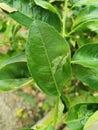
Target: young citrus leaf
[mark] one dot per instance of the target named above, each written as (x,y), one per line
(87,56)
(46,5)
(88,76)
(85,15)
(13,84)
(48,58)
(17,16)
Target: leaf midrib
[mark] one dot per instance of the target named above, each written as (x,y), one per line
(46,53)
(86,60)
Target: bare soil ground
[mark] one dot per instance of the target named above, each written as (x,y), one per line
(15,113)
(10,104)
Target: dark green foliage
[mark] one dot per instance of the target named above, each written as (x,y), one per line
(61,54)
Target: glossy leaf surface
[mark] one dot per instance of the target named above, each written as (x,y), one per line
(87,56)
(90,24)
(47,16)
(47,5)
(13,72)
(85,15)
(14,68)
(48,58)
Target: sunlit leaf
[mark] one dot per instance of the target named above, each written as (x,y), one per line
(7,8)
(91,120)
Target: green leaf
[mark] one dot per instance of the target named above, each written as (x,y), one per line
(93,25)
(87,56)
(23,6)
(48,6)
(88,25)
(80,109)
(48,58)
(77,117)
(47,16)
(13,72)
(85,15)
(20,18)
(88,76)
(85,98)
(13,84)
(13,59)
(78,3)
(91,120)
(14,68)
(17,16)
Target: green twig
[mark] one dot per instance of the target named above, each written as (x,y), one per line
(64,17)
(56,113)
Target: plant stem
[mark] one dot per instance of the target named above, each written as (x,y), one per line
(56,112)
(64,17)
